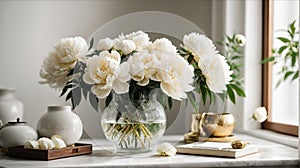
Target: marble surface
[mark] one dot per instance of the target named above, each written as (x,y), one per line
(271,155)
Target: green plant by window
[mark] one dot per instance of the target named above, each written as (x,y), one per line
(233,54)
(287,54)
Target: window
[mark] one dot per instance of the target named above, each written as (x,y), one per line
(281,102)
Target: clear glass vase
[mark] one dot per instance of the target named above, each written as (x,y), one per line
(133,128)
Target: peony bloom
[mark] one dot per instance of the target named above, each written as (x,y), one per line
(165,66)
(175,75)
(240,39)
(140,39)
(105,44)
(209,61)
(143,65)
(166,149)
(226,69)
(106,73)
(164,45)
(260,114)
(61,60)
(126,46)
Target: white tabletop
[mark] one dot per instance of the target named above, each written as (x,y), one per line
(272,154)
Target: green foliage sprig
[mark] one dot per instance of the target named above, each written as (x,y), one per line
(287,54)
(233,54)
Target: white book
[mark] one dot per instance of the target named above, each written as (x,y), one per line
(222,149)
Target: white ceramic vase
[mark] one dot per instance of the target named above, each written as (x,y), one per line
(16,133)
(60,120)
(10,107)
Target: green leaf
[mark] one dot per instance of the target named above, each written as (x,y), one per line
(283,39)
(93,101)
(281,49)
(296,75)
(228,38)
(268,59)
(170,103)
(108,99)
(69,96)
(76,97)
(203,93)
(292,27)
(238,90)
(294,59)
(70,72)
(65,89)
(91,43)
(191,98)
(210,96)
(230,94)
(287,74)
(278,83)
(236,57)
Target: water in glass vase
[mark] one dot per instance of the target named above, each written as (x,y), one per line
(133,136)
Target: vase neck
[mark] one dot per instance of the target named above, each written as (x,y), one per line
(58,108)
(7,93)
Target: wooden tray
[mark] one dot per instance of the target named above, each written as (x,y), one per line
(20,152)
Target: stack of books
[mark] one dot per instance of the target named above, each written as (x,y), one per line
(216,149)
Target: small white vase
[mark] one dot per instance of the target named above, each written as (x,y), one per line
(16,133)
(10,107)
(60,120)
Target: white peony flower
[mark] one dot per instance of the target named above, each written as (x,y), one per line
(175,75)
(106,73)
(126,46)
(226,69)
(61,60)
(140,39)
(143,65)
(164,45)
(105,44)
(240,39)
(260,114)
(166,149)
(205,53)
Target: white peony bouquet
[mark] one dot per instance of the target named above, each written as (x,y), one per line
(133,64)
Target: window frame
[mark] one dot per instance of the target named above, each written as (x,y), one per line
(267,73)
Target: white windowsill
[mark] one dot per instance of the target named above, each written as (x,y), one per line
(271,154)
(275,137)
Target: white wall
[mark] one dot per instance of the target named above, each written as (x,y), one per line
(28,30)
(243,17)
